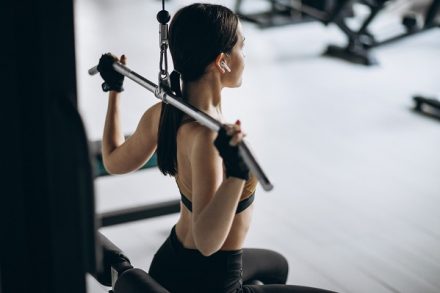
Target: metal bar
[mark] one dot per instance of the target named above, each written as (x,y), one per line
(401,36)
(195,113)
(337,11)
(351,35)
(313,12)
(373,13)
(309,10)
(238,6)
(139,213)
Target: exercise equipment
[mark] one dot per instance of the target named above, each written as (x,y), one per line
(361,40)
(118,273)
(429,106)
(47,209)
(285,12)
(167,97)
(163,92)
(139,213)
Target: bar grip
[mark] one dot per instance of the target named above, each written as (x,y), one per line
(94,70)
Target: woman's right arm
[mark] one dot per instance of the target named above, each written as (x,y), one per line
(214,198)
(122,156)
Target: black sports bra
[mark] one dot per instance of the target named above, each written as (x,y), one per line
(242,205)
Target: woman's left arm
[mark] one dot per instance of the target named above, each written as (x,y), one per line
(122,156)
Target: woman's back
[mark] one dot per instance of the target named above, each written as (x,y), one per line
(184,179)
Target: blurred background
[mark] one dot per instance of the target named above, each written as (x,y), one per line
(356,169)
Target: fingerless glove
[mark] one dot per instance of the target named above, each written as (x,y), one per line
(234,164)
(112,80)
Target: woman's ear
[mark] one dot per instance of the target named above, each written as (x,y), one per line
(220,63)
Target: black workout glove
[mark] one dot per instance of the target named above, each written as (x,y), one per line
(234,164)
(112,80)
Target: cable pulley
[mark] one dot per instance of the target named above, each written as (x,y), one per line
(163,17)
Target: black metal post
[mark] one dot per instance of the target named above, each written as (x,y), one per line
(47,195)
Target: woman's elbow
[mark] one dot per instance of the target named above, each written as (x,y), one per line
(207,250)
(206,245)
(110,167)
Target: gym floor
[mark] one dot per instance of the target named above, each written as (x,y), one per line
(356,172)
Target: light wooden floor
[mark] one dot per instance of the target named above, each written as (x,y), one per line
(357,174)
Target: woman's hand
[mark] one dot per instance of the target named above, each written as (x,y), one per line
(229,136)
(235,132)
(113,80)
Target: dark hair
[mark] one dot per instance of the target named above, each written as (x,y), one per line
(198,34)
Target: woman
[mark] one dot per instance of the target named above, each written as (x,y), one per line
(204,251)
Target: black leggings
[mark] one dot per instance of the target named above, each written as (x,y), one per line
(179,269)
(266,266)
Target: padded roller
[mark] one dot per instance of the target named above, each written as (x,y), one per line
(112,258)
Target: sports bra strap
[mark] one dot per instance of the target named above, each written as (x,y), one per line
(245,203)
(242,205)
(186,202)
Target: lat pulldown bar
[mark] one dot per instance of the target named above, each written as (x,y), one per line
(195,113)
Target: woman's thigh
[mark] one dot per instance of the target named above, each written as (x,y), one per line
(264,265)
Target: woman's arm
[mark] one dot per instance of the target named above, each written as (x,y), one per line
(123,156)
(214,198)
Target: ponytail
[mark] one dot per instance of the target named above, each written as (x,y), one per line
(170,119)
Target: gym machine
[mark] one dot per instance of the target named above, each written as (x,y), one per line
(285,12)
(361,40)
(118,273)
(47,211)
(427,106)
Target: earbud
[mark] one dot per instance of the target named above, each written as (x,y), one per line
(225,66)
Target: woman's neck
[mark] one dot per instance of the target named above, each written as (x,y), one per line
(205,95)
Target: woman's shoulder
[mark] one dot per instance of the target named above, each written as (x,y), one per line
(155,110)
(196,136)
(152,114)
(196,131)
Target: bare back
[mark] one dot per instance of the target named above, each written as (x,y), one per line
(185,181)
